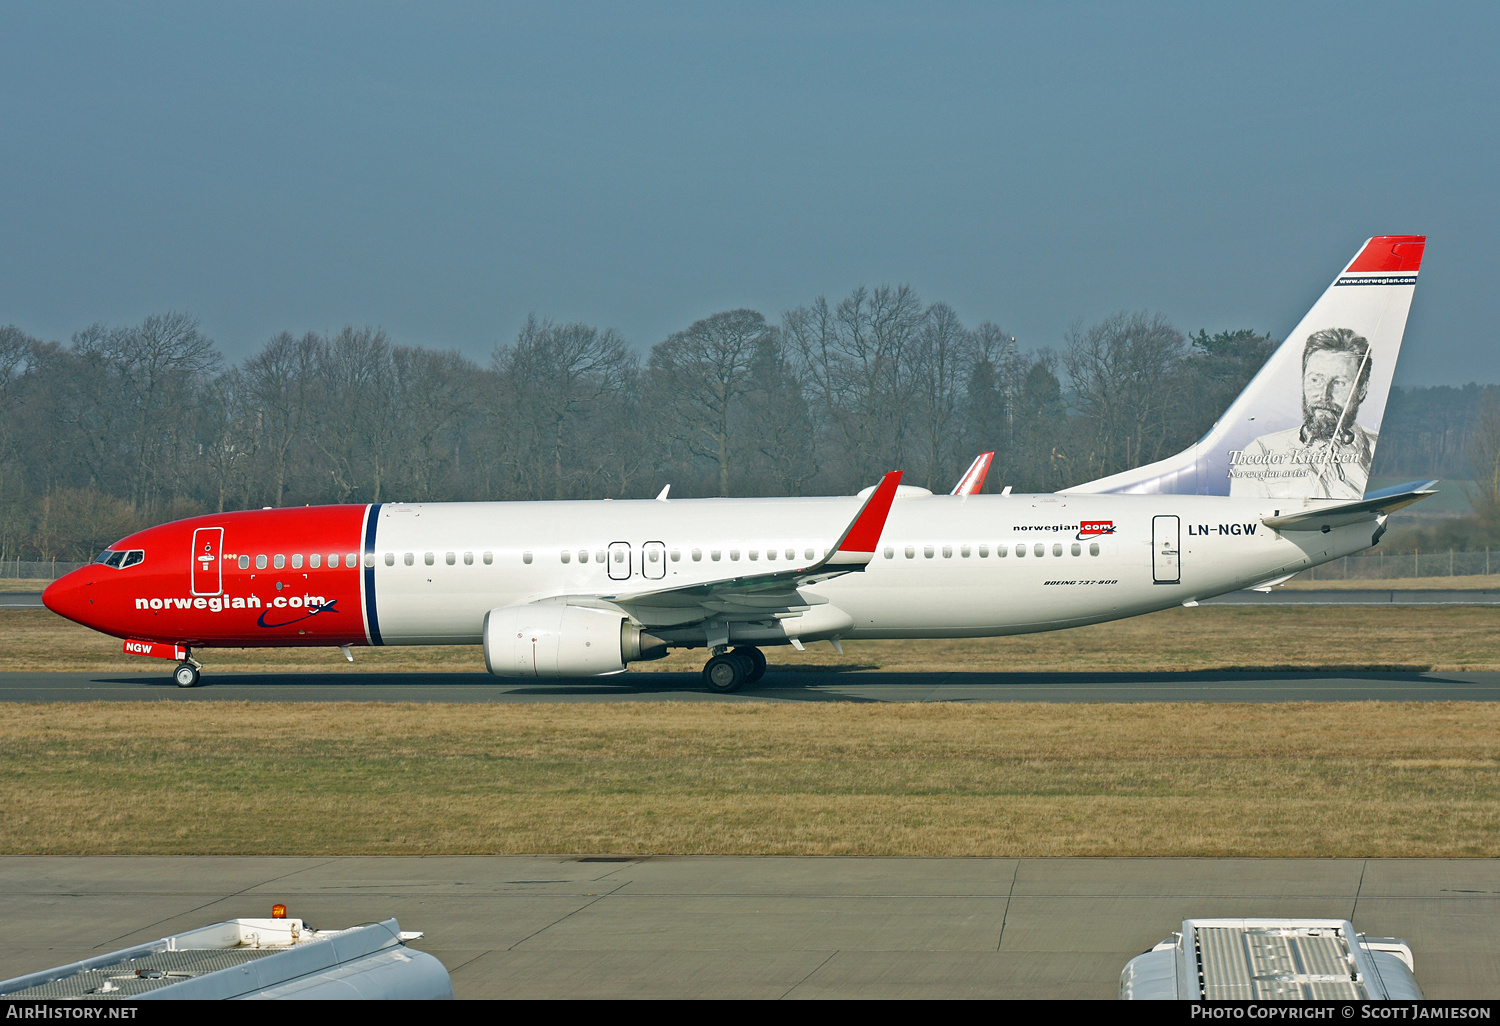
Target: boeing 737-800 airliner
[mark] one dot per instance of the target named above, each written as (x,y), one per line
(571,589)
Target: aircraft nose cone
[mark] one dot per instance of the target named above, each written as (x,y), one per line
(65,596)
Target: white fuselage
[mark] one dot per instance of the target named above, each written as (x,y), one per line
(946,566)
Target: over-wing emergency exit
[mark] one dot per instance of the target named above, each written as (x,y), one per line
(567,589)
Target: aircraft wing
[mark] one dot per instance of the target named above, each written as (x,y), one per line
(1341,514)
(973,478)
(777,589)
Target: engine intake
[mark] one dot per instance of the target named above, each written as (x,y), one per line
(563,641)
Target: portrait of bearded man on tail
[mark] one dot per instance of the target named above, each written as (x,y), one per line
(1329,451)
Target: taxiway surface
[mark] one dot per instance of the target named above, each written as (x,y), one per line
(705,927)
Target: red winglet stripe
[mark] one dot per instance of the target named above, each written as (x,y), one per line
(1386,253)
(864,536)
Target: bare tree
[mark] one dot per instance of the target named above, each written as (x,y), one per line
(857,360)
(1484,459)
(702,375)
(1124,373)
(554,376)
(942,361)
(279,384)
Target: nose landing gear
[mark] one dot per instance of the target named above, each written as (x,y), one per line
(186,674)
(728,671)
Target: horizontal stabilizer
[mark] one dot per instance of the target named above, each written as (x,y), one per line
(1341,514)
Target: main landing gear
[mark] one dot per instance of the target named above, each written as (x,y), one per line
(728,671)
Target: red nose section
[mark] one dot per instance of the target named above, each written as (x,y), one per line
(68,595)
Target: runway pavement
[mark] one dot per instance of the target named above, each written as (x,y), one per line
(830,685)
(728,927)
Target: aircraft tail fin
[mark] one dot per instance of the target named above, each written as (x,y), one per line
(1307,424)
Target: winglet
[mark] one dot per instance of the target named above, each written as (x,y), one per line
(858,542)
(973,478)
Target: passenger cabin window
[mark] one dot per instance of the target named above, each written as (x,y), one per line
(297,561)
(316,560)
(1001,551)
(526,557)
(1057,548)
(734,554)
(676,556)
(697,555)
(583,555)
(754,553)
(260,562)
(1093,548)
(390,559)
(567,557)
(369,559)
(244,562)
(911,552)
(598,555)
(1039,549)
(489,557)
(947,551)
(927,551)
(279,561)
(468,559)
(791,553)
(352,560)
(984,552)
(427,558)
(1020,550)
(1077,549)
(808,555)
(451,558)
(964,552)
(409,558)
(714,555)
(889,553)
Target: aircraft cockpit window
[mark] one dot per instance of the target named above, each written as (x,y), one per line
(118,559)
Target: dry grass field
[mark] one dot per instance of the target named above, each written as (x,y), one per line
(1376,779)
(1261,637)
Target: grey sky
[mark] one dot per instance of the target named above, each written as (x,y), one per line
(442,170)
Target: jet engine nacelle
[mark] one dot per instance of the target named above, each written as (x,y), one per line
(563,641)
